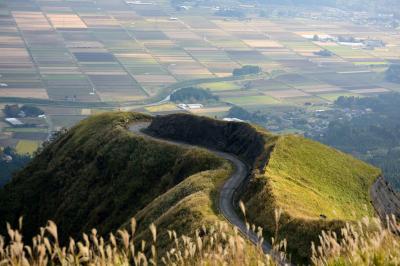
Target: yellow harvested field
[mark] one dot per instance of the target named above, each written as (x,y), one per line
(27,146)
(182,35)
(232,25)
(172,59)
(86,112)
(116,72)
(24,93)
(286,93)
(370,90)
(223,74)
(158,43)
(24,20)
(154,79)
(262,43)
(61,21)
(84,44)
(191,69)
(99,21)
(333,59)
(321,89)
(228,66)
(162,108)
(11,40)
(14,55)
(59,70)
(265,25)
(326,43)
(212,33)
(115,96)
(219,109)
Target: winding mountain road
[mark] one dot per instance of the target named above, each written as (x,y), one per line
(227,193)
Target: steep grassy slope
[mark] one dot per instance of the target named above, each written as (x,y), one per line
(99,175)
(186,207)
(302,177)
(307,179)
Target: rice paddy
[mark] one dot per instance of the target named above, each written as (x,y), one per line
(221,86)
(149,51)
(252,100)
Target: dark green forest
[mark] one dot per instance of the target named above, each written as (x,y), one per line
(7,168)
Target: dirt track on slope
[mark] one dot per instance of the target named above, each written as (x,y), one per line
(228,191)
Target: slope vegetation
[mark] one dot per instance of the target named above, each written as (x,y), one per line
(99,175)
(316,187)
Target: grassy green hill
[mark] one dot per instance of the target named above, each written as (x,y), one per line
(302,177)
(99,175)
(308,181)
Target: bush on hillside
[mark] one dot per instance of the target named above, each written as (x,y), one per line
(192,94)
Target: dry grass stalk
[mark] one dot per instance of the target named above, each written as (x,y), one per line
(218,244)
(368,242)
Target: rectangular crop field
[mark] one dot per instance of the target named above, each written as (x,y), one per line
(27,146)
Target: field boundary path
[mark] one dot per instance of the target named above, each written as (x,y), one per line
(226,203)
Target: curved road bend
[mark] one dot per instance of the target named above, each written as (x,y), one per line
(226,200)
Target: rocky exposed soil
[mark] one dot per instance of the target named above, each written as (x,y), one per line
(385,199)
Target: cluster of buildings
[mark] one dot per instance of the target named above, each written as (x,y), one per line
(347,41)
(190,106)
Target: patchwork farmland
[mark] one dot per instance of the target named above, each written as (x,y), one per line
(77,54)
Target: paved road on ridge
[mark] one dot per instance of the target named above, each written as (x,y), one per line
(226,196)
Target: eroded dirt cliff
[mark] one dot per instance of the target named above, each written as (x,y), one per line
(385,199)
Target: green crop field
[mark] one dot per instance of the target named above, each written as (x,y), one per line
(251,100)
(333,96)
(27,146)
(26,129)
(74,44)
(221,86)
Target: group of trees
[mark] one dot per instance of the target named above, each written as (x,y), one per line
(232,13)
(14,110)
(324,53)
(8,167)
(193,95)
(241,113)
(246,70)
